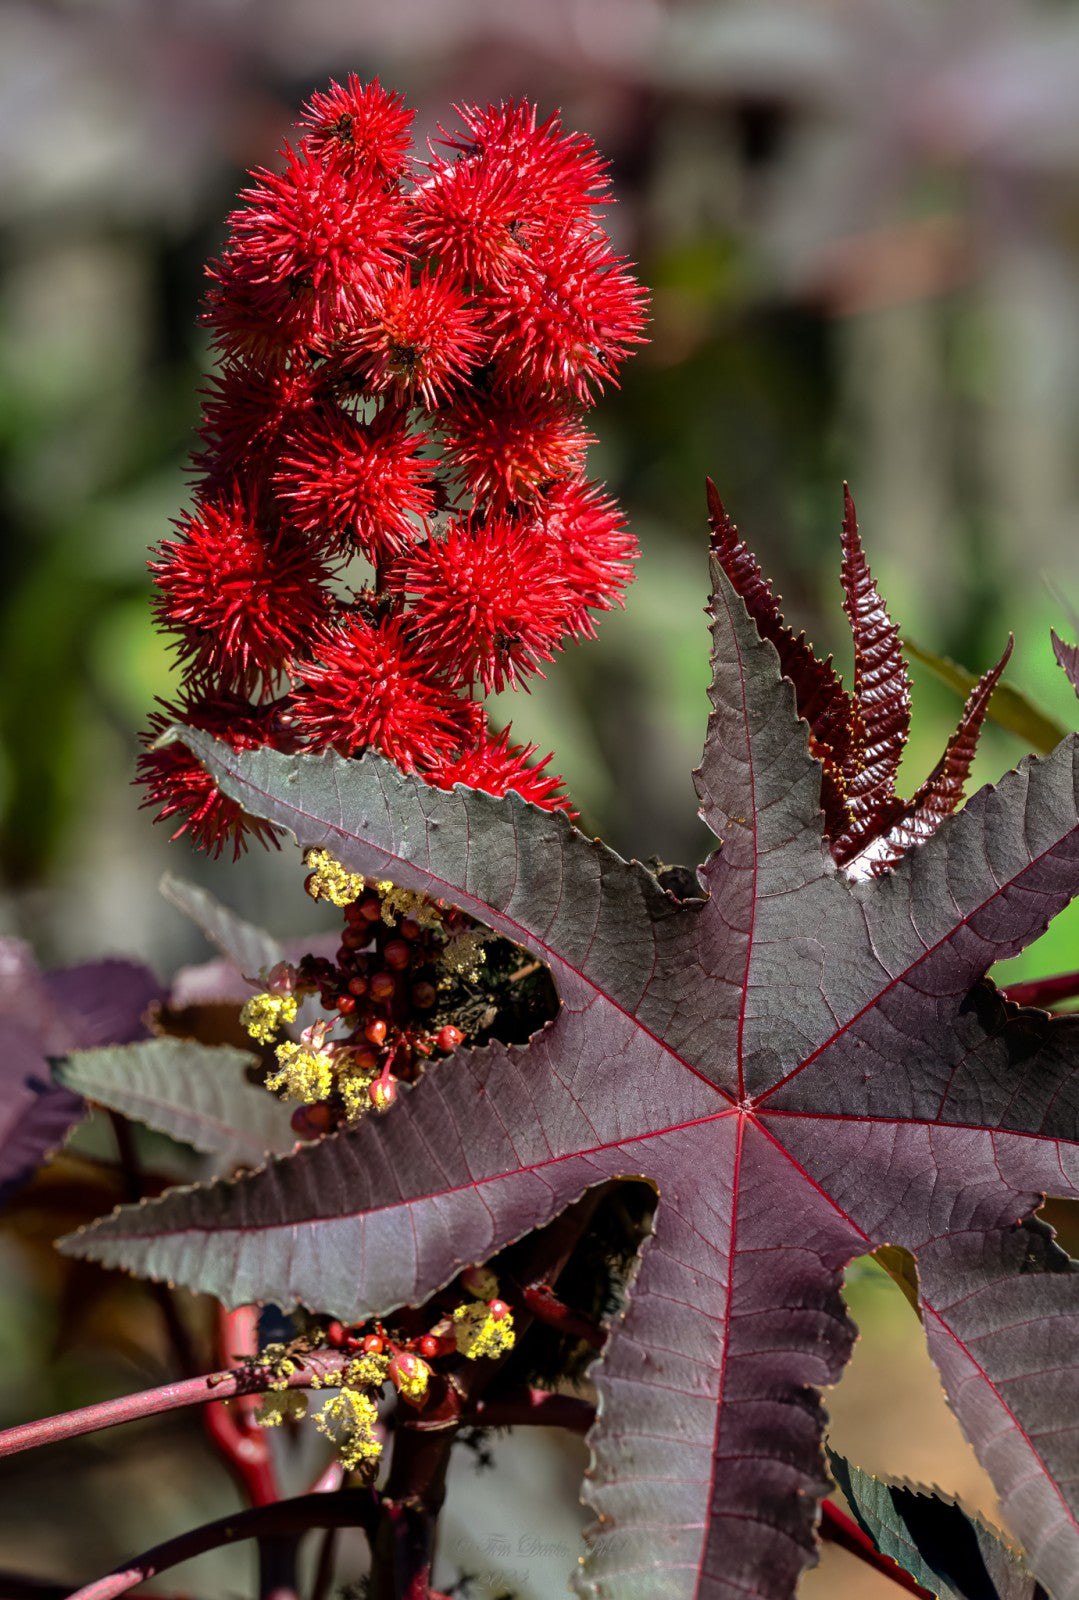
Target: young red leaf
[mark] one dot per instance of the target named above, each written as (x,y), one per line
(881,697)
(818,691)
(805,1067)
(942,792)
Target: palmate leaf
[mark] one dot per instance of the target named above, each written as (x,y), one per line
(953,1555)
(805,1067)
(196,1093)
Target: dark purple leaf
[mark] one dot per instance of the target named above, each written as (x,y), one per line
(805,1067)
(45,1014)
(953,1555)
(1068,656)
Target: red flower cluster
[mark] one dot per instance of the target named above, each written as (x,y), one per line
(406,349)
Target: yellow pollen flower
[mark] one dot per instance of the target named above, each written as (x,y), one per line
(397,902)
(464,955)
(355,1088)
(478,1333)
(348,1419)
(366,1372)
(264,1014)
(331,881)
(280,1363)
(303,1073)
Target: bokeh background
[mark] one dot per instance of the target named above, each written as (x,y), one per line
(860,223)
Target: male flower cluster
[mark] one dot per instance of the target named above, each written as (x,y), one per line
(392,516)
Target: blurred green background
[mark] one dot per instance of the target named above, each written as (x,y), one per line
(860,223)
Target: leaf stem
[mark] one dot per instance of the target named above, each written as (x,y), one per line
(347,1508)
(837,1528)
(536,1408)
(169,1397)
(233,1429)
(1044,992)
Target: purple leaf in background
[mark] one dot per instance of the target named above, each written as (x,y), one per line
(45,1014)
(805,1068)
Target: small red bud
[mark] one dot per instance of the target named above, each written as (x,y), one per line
(410,929)
(373,1345)
(383,1093)
(382,985)
(346,1004)
(370,908)
(429,1345)
(335,1334)
(365,1058)
(449,1037)
(375,1031)
(498,1309)
(397,955)
(357,985)
(353,939)
(423,996)
(310,1121)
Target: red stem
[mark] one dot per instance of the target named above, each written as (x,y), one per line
(233,1429)
(169,1397)
(348,1508)
(1044,992)
(531,1408)
(838,1528)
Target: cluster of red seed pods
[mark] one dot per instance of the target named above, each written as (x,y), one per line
(391,516)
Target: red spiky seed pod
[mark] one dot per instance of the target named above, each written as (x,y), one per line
(178,783)
(594,549)
(302,248)
(242,599)
(564,172)
(489,600)
(372,685)
(418,338)
(497,767)
(507,446)
(360,485)
(567,315)
(361,126)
